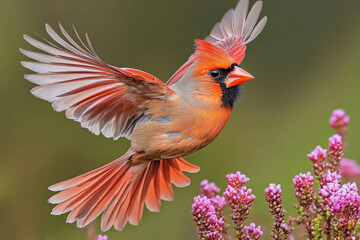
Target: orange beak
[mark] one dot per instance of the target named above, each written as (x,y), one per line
(237,77)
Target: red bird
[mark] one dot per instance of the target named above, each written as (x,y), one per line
(163,121)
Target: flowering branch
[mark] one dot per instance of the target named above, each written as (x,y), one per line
(208,209)
(208,224)
(239,199)
(333,210)
(339,122)
(273,196)
(211,191)
(325,207)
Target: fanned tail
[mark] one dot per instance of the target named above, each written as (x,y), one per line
(120,191)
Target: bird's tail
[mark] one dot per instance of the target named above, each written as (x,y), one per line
(120,191)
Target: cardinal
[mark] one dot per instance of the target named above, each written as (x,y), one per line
(164,122)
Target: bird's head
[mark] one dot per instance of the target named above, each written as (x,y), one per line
(217,74)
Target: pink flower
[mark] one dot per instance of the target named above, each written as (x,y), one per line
(318,154)
(329,184)
(208,224)
(335,142)
(330,177)
(346,201)
(209,190)
(287,229)
(328,190)
(304,191)
(273,196)
(303,181)
(338,119)
(100,237)
(273,192)
(335,153)
(218,202)
(349,168)
(236,180)
(240,196)
(252,232)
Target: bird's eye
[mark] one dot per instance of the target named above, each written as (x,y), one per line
(215,73)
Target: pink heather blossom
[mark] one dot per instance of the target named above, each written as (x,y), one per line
(338,119)
(273,196)
(304,191)
(252,232)
(346,201)
(287,229)
(327,165)
(209,190)
(240,196)
(236,180)
(328,190)
(208,224)
(303,181)
(102,237)
(240,200)
(273,192)
(335,142)
(329,184)
(330,177)
(344,205)
(335,151)
(349,168)
(218,202)
(317,155)
(213,236)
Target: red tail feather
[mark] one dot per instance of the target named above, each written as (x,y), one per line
(120,191)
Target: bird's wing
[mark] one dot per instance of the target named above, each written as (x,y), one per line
(103,98)
(236,29)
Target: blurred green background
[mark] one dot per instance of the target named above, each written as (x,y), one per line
(306,63)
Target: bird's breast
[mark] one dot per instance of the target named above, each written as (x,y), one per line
(177,129)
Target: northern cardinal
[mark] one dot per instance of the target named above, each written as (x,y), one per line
(163,121)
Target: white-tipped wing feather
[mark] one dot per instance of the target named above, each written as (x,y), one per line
(103,98)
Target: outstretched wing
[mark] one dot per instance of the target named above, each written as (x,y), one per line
(103,98)
(236,29)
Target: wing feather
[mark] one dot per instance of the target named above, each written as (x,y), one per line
(103,98)
(62,42)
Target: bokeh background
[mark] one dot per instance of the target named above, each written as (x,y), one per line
(306,63)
